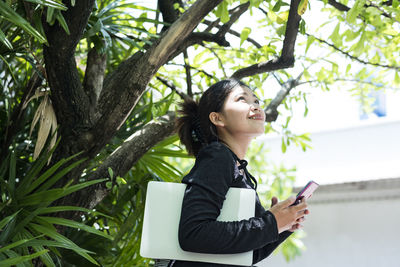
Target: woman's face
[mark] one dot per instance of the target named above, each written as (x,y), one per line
(241,113)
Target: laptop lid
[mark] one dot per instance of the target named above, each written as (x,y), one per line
(161,222)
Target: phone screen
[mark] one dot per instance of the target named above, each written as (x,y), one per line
(306,192)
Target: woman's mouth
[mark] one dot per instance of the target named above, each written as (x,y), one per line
(256,117)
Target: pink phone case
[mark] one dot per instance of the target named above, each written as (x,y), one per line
(306,192)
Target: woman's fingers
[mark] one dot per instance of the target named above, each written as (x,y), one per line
(274,201)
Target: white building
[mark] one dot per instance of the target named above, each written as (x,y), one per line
(355,213)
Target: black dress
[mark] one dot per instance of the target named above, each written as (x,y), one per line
(216,170)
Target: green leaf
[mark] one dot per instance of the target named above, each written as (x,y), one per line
(283,145)
(111,173)
(4,40)
(12,173)
(395,3)
(74,224)
(281,30)
(10,15)
(396,78)
(49,183)
(20,259)
(310,40)
(35,170)
(54,194)
(282,17)
(50,17)
(302,27)
(62,22)
(60,238)
(277,6)
(15,244)
(244,34)
(7,219)
(355,11)
(348,68)
(335,37)
(70,208)
(49,3)
(223,12)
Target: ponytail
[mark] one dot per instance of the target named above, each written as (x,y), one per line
(189,127)
(193,125)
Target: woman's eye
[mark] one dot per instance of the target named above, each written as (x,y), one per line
(257,101)
(241,98)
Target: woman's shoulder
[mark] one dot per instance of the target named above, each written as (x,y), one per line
(214,150)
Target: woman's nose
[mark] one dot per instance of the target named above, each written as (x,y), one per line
(255,106)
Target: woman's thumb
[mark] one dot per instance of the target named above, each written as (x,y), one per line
(289,201)
(274,201)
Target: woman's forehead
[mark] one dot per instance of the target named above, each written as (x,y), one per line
(242,90)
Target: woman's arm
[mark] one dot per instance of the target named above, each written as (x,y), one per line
(208,183)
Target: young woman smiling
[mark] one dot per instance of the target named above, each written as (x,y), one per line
(217,131)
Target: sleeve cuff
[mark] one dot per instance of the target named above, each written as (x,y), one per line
(269,218)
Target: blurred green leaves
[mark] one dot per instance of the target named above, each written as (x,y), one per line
(25,197)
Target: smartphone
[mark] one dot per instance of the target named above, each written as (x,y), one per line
(306,192)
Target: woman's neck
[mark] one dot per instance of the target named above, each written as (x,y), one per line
(239,147)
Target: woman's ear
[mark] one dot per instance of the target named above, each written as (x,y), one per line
(216,119)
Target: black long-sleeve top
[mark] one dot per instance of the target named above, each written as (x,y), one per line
(216,170)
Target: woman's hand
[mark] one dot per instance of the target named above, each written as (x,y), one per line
(288,217)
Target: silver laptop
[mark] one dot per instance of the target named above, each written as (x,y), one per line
(161,221)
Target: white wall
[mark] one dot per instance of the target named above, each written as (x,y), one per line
(349,234)
(364,151)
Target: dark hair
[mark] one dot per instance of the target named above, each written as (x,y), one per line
(193,125)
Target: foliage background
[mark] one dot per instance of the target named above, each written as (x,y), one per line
(353,46)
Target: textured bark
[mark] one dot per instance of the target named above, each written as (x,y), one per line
(286,60)
(84,127)
(123,158)
(94,75)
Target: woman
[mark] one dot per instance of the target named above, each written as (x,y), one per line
(218,131)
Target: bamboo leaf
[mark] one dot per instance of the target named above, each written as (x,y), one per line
(12,173)
(10,15)
(15,244)
(54,194)
(37,116)
(5,41)
(71,208)
(49,3)
(34,171)
(58,176)
(74,224)
(7,219)
(44,128)
(62,22)
(58,237)
(20,259)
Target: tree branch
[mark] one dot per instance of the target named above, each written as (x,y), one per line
(194,68)
(344,8)
(123,158)
(233,32)
(234,16)
(353,57)
(174,88)
(286,59)
(271,111)
(178,31)
(123,88)
(71,103)
(188,74)
(94,75)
